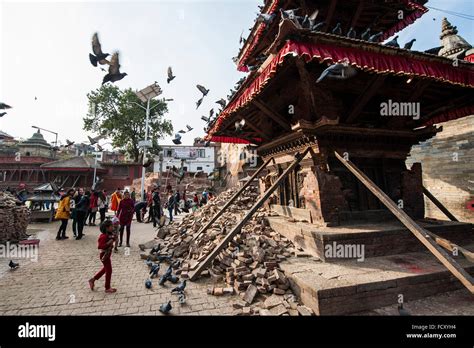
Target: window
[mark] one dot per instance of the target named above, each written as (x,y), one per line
(201,153)
(199,168)
(169,153)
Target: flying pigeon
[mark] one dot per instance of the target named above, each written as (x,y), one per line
(211,113)
(239,125)
(13,265)
(94,141)
(365,35)
(288,14)
(177,139)
(4,106)
(148,162)
(148,284)
(69,143)
(180,287)
(317,27)
(98,56)
(338,71)
(154,270)
(375,37)
(189,128)
(393,42)
(170,75)
(36,98)
(205,119)
(351,33)
(409,44)
(266,18)
(402,311)
(165,308)
(337,29)
(2,114)
(203,90)
(221,102)
(181,131)
(114,70)
(199,102)
(100,148)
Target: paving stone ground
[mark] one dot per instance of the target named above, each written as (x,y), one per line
(57,283)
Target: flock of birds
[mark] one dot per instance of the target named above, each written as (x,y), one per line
(4,106)
(168,275)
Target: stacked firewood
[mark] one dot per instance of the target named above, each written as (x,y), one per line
(14,219)
(248,266)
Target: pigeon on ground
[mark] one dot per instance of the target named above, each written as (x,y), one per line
(177,139)
(170,75)
(148,284)
(168,272)
(181,298)
(199,102)
(338,71)
(221,102)
(162,280)
(154,270)
(393,42)
(69,143)
(365,35)
(149,263)
(114,74)
(189,128)
(180,287)
(375,37)
(402,311)
(239,125)
(266,18)
(203,90)
(98,56)
(409,44)
(337,29)
(174,279)
(165,308)
(351,33)
(13,265)
(155,249)
(4,106)
(2,114)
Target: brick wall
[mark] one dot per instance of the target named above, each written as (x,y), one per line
(448,168)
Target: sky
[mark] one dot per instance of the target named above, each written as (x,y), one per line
(44,49)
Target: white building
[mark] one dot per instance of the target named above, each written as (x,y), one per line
(196,158)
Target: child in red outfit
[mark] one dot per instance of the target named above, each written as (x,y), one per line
(105,244)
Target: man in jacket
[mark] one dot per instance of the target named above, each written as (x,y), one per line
(156,205)
(81,212)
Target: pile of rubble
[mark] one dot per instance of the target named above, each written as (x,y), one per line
(248,266)
(14,219)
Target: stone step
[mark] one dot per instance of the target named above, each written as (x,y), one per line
(350,286)
(375,239)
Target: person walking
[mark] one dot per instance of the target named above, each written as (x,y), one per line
(93,208)
(63,213)
(177,199)
(125,214)
(105,245)
(101,205)
(115,200)
(156,205)
(170,204)
(77,198)
(149,201)
(81,212)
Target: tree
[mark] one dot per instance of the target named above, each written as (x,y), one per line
(112,113)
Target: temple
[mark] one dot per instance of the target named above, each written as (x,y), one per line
(391,99)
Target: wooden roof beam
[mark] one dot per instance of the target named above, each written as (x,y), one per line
(272,114)
(332,9)
(307,89)
(359,9)
(365,97)
(260,132)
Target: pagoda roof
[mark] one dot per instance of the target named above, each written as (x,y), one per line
(369,58)
(381,17)
(80,163)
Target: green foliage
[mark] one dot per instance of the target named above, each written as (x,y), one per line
(112,113)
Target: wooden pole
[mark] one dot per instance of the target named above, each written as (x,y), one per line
(419,232)
(213,254)
(439,204)
(232,199)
